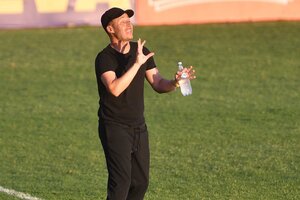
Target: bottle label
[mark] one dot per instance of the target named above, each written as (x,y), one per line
(184,75)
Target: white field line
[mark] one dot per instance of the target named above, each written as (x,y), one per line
(17,194)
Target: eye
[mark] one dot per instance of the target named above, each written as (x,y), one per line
(127,22)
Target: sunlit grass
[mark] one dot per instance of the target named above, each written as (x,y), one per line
(236,137)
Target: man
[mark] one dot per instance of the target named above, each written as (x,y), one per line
(121,69)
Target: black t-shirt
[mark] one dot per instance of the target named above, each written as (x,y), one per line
(128,107)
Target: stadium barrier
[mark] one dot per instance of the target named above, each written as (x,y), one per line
(52,13)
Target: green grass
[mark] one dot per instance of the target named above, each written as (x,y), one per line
(236,137)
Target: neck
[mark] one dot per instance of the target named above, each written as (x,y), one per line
(120,46)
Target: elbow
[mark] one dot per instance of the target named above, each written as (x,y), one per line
(113,87)
(115,92)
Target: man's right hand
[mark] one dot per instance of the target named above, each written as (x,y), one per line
(140,57)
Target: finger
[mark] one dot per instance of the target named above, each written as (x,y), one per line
(185,70)
(180,72)
(150,55)
(190,68)
(143,43)
(192,75)
(192,72)
(177,77)
(140,47)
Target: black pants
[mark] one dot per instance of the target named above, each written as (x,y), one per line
(127,156)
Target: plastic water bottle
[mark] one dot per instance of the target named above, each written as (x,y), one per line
(184,82)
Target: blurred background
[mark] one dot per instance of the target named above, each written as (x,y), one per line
(236,137)
(45,13)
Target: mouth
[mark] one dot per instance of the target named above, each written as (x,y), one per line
(129,31)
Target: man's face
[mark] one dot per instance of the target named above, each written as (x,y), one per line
(122,28)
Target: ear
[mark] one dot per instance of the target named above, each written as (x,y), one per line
(110,29)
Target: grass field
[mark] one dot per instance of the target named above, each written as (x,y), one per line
(237,136)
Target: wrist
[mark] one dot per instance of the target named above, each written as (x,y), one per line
(137,64)
(175,83)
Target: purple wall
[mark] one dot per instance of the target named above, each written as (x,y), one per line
(31,18)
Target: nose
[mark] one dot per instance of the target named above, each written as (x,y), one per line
(128,24)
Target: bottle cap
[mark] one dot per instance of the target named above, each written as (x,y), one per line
(180,67)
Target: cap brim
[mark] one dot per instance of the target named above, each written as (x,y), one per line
(129,12)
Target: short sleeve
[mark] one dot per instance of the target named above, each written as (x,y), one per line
(150,64)
(104,63)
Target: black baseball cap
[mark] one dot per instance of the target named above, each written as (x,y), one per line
(114,13)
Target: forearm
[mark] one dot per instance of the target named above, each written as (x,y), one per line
(165,86)
(120,84)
